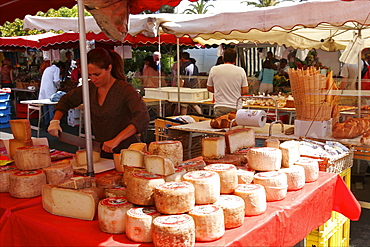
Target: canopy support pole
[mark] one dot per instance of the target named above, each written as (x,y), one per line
(85,88)
(359,79)
(160,76)
(178,74)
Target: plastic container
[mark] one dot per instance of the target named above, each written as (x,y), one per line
(4,118)
(188,95)
(4,96)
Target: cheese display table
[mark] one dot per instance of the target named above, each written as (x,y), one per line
(284,223)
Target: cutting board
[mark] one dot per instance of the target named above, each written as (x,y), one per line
(99,167)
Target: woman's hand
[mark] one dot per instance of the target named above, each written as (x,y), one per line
(108,146)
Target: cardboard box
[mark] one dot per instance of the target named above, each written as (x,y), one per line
(314,129)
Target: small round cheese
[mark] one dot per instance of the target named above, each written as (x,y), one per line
(119,191)
(32,157)
(174,230)
(140,187)
(112,214)
(311,168)
(274,179)
(172,150)
(254,197)
(207,185)
(128,171)
(245,176)
(174,197)
(5,172)
(139,223)
(228,176)
(27,184)
(234,210)
(275,193)
(58,173)
(264,158)
(209,222)
(296,177)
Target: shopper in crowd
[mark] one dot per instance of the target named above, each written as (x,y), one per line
(50,83)
(174,72)
(68,66)
(157,59)
(44,65)
(150,73)
(6,73)
(75,76)
(266,77)
(118,113)
(219,61)
(283,67)
(271,57)
(349,75)
(228,82)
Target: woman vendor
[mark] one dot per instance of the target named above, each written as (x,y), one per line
(118,113)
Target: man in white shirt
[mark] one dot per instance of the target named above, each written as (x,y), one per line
(228,82)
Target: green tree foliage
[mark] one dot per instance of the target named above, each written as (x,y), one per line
(199,7)
(164,9)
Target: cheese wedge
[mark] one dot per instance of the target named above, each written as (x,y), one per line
(139,224)
(81,157)
(140,146)
(213,147)
(290,153)
(21,129)
(272,143)
(131,157)
(14,144)
(227,159)
(26,184)
(238,139)
(158,164)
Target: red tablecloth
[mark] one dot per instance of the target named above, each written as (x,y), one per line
(283,224)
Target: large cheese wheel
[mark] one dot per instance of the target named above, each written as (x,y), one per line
(254,197)
(209,222)
(110,180)
(21,129)
(32,158)
(238,139)
(177,176)
(119,191)
(139,223)
(311,168)
(128,171)
(5,172)
(275,183)
(233,208)
(172,150)
(112,214)
(296,177)
(58,173)
(80,204)
(207,185)
(174,197)
(14,144)
(227,159)
(194,164)
(245,176)
(140,187)
(264,159)
(290,153)
(158,164)
(26,184)
(228,176)
(174,230)
(213,147)
(81,157)
(132,157)
(76,183)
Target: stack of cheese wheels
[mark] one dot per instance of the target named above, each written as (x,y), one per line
(209,222)
(58,173)
(139,223)
(228,159)
(177,176)
(296,177)
(254,197)
(26,184)
(213,147)
(32,157)
(21,130)
(245,176)
(234,210)
(264,158)
(140,187)
(238,139)
(290,153)
(128,171)
(228,176)
(174,230)
(118,191)
(112,214)
(5,172)
(275,183)
(194,164)
(311,168)
(206,184)
(171,150)
(174,197)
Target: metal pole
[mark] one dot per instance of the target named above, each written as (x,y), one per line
(178,74)
(85,88)
(359,79)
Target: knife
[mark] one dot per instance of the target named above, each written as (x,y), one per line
(78,141)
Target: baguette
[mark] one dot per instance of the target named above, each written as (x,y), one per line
(351,128)
(223,121)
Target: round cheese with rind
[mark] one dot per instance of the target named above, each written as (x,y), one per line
(209,222)
(245,176)
(311,168)
(264,158)
(275,193)
(295,176)
(174,230)
(233,208)
(139,223)
(254,197)
(195,164)
(118,191)
(5,172)
(112,214)
(32,157)
(207,185)
(172,150)
(274,179)
(27,184)
(58,173)
(228,176)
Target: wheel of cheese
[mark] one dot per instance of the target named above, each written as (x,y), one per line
(194,164)
(172,150)
(207,185)
(233,208)
(128,171)
(228,176)
(311,168)
(112,214)
(213,147)
(177,176)
(209,222)
(245,176)
(140,187)
(174,197)
(174,230)
(254,197)
(5,172)
(139,224)
(58,173)
(296,177)
(119,191)
(32,158)
(264,159)
(275,193)
(27,184)
(14,144)
(81,157)
(274,179)
(228,159)
(110,180)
